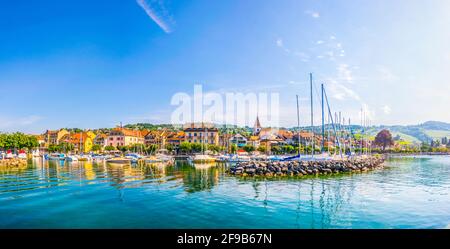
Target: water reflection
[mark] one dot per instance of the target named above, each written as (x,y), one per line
(308,202)
(200,178)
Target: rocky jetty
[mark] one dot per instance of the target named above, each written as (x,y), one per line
(302,168)
(13,163)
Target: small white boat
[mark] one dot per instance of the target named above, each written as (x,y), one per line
(99,158)
(55,156)
(22,156)
(72,158)
(134,157)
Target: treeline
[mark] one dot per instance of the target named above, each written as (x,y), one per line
(147,126)
(18,141)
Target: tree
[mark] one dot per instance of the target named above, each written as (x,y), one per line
(185,147)
(18,140)
(248,148)
(214,148)
(275,149)
(198,147)
(233,148)
(110,148)
(66,147)
(288,149)
(53,148)
(123,148)
(170,147)
(96,147)
(151,149)
(262,149)
(384,139)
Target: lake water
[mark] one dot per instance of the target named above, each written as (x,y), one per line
(410,192)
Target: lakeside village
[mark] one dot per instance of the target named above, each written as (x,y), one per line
(207,143)
(334,146)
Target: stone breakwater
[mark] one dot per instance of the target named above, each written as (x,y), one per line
(302,168)
(15,162)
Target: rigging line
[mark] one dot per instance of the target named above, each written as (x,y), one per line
(331,116)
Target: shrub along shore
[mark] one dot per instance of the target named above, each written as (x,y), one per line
(302,168)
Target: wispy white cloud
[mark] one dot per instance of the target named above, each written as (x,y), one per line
(313,14)
(345,73)
(158,13)
(341,92)
(386,109)
(279,42)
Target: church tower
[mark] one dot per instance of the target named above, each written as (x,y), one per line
(257,128)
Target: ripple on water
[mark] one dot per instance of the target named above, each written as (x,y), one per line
(408,193)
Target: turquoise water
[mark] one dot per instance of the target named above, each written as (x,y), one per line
(408,193)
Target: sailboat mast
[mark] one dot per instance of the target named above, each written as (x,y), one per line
(341,126)
(298,128)
(323,123)
(312,114)
(362,129)
(350,135)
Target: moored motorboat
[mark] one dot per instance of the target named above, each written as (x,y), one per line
(72,158)
(55,156)
(99,158)
(134,157)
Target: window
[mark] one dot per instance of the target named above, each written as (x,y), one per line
(195,134)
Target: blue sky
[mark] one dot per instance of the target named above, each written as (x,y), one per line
(92,64)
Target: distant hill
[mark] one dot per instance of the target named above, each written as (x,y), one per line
(435,125)
(430,130)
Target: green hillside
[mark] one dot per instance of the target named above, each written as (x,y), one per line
(437,134)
